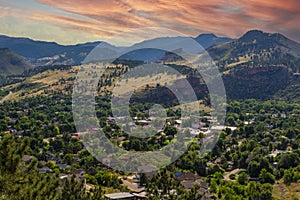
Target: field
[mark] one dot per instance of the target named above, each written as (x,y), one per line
(282,191)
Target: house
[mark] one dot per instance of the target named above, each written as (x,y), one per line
(202,124)
(190,184)
(133,185)
(141,195)
(63,166)
(44,169)
(193,132)
(218,161)
(78,173)
(122,195)
(277,152)
(14,131)
(126,196)
(178,174)
(64,177)
(203,129)
(93,130)
(189,180)
(122,138)
(149,170)
(111,120)
(179,122)
(27,158)
(220,128)
(143,122)
(76,135)
(187,176)
(253,179)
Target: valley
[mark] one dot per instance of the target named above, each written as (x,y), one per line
(256,155)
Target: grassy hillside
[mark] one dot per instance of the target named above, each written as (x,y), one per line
(46,83)
(257,48)
(259,83)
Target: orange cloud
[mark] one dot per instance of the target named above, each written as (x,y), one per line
(4,11)
(231,18)
(71,23)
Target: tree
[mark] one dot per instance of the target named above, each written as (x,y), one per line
(288,160)
(266,177)
(75,190)
(143,179)
(163,185)
(56,130)
(291,175)
(3,125)
(253,169)
(242,178)
(27,184)
(57,144)
(170,130)
(287,177)
(257,191)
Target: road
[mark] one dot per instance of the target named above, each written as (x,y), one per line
(6,97)
(227,175)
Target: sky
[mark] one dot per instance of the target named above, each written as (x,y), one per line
(79,21)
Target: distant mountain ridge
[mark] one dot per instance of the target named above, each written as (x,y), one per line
(47,53)
(41,53)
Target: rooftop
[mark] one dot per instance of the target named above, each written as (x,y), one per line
(121,195)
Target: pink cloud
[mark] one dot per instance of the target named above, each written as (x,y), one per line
(191,17)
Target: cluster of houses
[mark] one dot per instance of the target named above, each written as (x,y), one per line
(188,180)
(199,124)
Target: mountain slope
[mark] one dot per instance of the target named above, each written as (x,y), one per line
(257,65)
(258,48)
(12,63)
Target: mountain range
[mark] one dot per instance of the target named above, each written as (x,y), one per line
(255,46)
(256,65)
(40,53)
